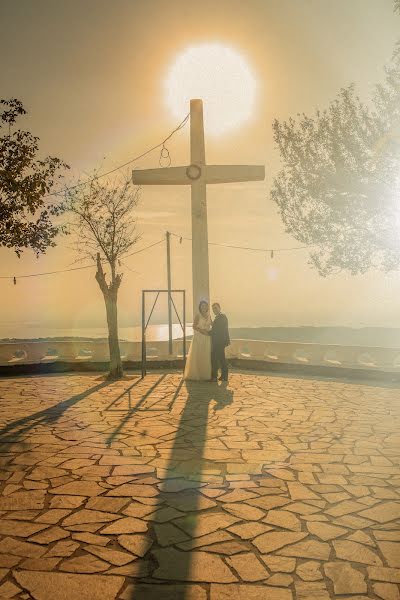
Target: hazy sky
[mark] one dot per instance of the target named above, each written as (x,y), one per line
(91,75)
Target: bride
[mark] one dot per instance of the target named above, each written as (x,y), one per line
(198,364)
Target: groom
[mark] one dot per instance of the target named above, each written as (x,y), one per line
(219,340)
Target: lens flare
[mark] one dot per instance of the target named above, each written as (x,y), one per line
(219,76)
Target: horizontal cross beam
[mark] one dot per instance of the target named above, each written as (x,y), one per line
(207,174)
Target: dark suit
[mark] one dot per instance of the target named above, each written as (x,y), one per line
(219,340)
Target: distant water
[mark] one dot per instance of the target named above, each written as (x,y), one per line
(347,336)
(132,334)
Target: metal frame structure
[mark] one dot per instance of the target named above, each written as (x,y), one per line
(146,323)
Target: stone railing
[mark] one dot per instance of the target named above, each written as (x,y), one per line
(294,353)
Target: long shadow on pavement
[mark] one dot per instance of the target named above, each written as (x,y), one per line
(13,432)
(180,491)
(131,409)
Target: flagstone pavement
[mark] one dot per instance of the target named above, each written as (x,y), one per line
(270,488)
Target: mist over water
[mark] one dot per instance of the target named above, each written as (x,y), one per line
(131,334)
(346,336)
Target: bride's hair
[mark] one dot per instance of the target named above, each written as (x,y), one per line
(203,302)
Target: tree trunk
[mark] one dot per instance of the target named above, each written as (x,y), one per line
(110,294)
(116,371)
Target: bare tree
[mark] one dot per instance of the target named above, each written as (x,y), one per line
(104,228)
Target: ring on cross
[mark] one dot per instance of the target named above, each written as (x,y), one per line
(193,172)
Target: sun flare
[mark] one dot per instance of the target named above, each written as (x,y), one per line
(219,76)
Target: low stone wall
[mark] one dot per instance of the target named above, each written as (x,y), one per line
(290,353)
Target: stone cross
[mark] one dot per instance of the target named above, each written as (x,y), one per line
(198,174)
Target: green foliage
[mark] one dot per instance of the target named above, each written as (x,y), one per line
(25,220)
(339,187)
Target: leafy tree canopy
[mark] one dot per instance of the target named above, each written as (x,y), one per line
(339,188)
(25,218)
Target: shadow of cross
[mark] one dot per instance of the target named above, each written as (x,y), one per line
(180,498)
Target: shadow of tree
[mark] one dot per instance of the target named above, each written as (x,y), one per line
(14,431)
(180,491)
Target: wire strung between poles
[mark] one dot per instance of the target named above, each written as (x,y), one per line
(129,162)
(79,268)
(187,239)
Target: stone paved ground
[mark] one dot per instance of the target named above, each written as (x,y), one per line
(272,488)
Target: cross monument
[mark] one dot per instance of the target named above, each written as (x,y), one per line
(198,174)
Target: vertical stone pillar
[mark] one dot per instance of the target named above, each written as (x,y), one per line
(200,267)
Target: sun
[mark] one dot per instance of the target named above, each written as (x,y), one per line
(219,76)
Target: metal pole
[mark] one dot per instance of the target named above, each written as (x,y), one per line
(184,329)
(143,335)
(168,236)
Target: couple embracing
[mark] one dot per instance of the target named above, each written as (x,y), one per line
(207,350)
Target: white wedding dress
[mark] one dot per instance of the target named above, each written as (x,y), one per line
(198,363)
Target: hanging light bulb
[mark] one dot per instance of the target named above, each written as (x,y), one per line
(15,281)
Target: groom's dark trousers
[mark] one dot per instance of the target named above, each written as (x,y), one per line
(219,341)
(218,361)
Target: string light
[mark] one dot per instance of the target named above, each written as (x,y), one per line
(79,268)
(265,250)
(181,238)
(164,156)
